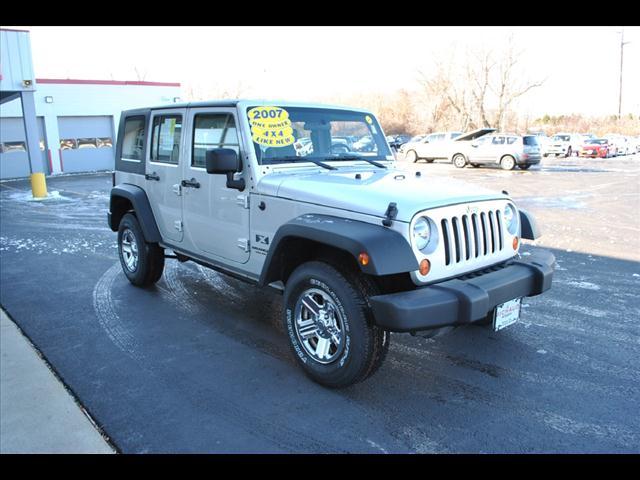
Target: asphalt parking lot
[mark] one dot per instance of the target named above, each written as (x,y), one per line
(200,363)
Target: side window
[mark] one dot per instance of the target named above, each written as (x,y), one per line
(133,140)
(213,130)
(165,139)
(498,140)
(438,138)
(481,140)
(512,140)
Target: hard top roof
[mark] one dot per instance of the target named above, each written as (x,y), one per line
(242,103)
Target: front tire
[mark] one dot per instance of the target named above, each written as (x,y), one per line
(412,156)
(142,262)
(459,160)
(329,325)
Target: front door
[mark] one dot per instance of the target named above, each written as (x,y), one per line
(163,171)
(216,218)
(481,150)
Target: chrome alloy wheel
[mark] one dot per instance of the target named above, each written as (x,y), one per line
(319,326)
(129,250)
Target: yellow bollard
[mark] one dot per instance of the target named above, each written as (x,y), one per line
(38,185)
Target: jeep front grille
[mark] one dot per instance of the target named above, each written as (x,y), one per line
(472,236)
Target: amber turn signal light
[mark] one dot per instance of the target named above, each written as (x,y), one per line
(363,258)
(425,266)
(515,243)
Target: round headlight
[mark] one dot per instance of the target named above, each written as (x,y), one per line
(510,219)
(421,233)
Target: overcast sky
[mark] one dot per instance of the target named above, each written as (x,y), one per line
(581,64)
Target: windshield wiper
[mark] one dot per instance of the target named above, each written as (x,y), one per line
(357,157)
(294,158)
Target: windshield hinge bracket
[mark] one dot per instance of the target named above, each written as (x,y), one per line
(390,214)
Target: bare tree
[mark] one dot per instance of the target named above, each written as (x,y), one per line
(139,76)
(509,84)
(479,90)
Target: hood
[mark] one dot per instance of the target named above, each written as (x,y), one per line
(372,193)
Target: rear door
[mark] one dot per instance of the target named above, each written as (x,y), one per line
(216,217)
(162,180)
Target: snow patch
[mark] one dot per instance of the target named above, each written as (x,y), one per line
(28,197)
(585,285)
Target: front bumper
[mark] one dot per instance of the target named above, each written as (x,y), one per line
(556,150)
(463,300)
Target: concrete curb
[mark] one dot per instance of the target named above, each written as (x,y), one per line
(38,414)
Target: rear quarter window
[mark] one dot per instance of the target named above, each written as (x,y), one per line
(133,139)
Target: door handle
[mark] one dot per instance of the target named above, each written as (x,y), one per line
(152,176)
(193,183)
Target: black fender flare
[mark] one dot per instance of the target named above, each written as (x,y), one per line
(528,226)
(389,252)
(141,206)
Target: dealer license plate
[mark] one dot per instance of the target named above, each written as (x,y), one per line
(506,314)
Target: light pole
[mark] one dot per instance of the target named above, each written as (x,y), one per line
(622,44)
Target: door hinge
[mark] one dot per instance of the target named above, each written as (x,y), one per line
(243,201)
(243,243)
(177,189)
(178,225)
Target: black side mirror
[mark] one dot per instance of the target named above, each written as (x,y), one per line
(225,161)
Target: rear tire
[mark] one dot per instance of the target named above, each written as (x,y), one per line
(412,156)
(524,167)
(142,262)
(507,162)
(459,160)
(322,305)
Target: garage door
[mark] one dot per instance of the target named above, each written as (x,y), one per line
(86,143)
(14,160)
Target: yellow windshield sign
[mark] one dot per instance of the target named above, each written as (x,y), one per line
(270,126)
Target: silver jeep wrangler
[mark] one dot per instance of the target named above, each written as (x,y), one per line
(307,199)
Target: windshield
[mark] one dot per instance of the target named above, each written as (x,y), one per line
(597,141)
(289,134)
(530,140)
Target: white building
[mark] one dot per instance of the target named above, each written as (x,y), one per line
(77,120)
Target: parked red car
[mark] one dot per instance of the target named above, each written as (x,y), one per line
(597,148)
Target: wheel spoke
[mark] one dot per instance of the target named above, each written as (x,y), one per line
(307,329)
(310,304)
(322,349)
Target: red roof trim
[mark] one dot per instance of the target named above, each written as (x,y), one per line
(69,81)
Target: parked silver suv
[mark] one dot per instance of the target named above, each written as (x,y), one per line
(504,150)
(430,147)
(358,248)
